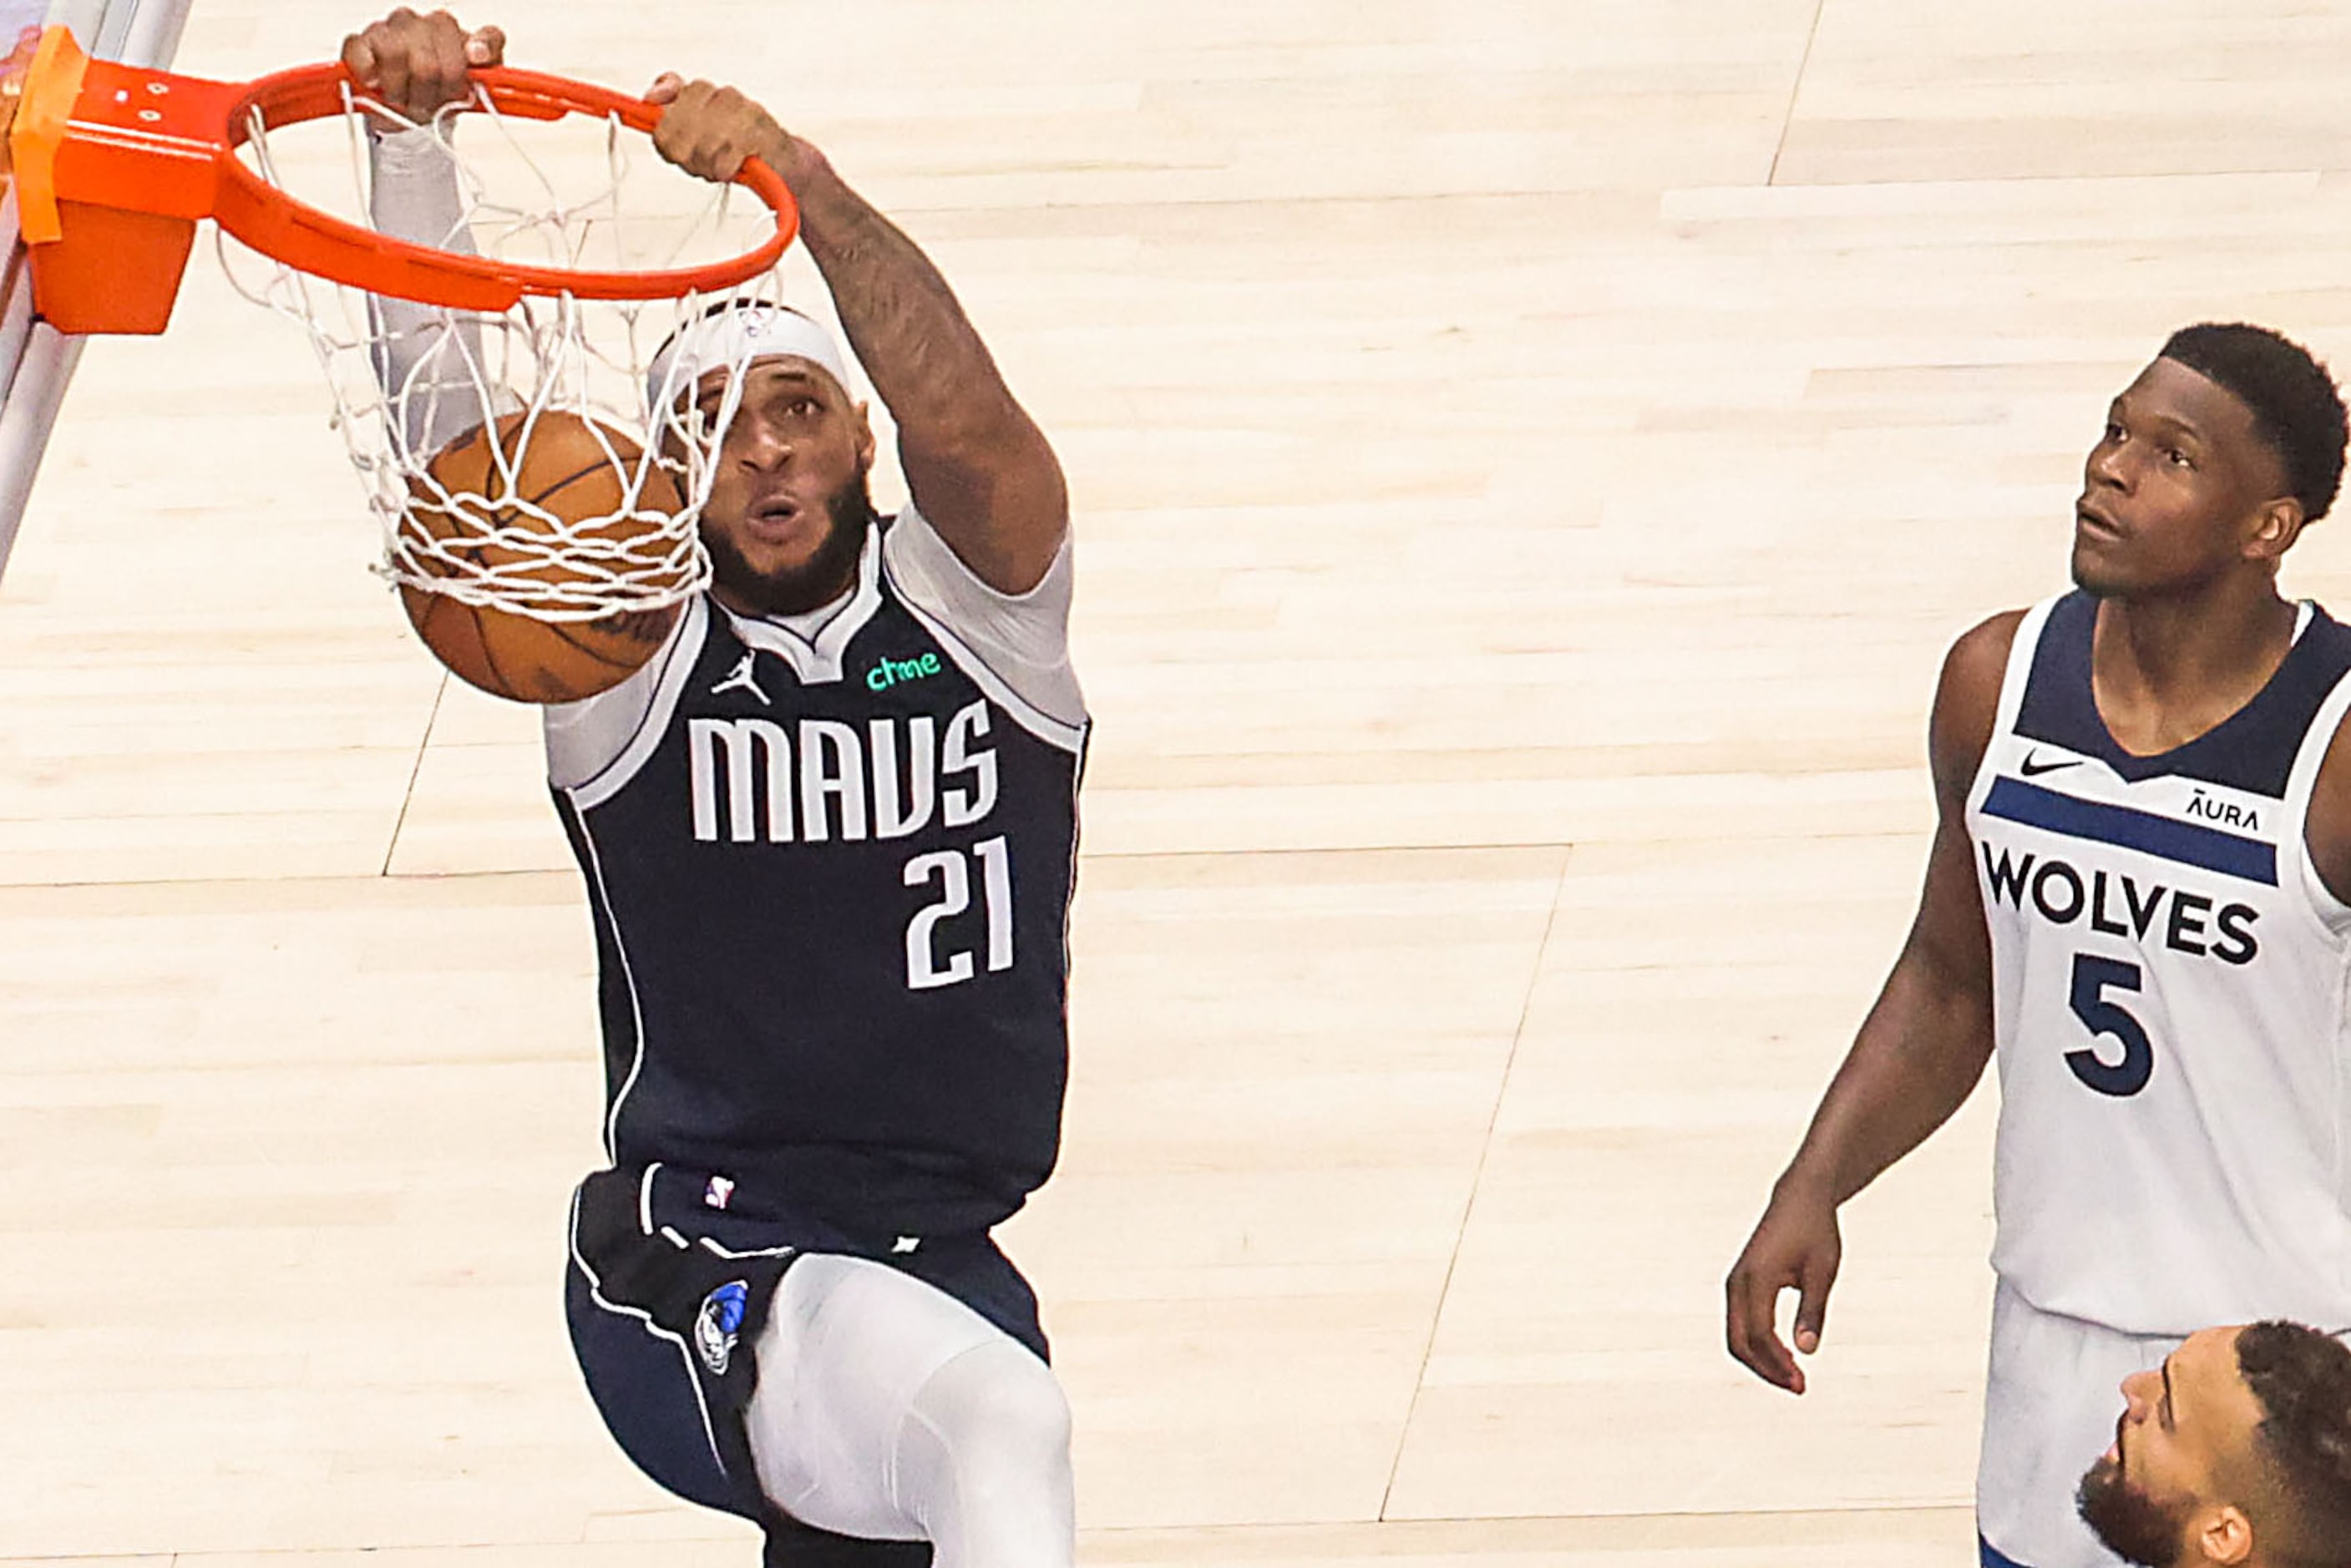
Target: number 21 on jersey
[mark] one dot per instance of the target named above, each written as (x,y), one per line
(935,958)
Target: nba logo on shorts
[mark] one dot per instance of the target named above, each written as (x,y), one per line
(715,1324)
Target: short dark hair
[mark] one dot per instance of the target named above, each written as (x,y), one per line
(2294,402)
(2303,1380)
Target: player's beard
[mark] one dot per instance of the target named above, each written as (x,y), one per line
(2134,1525)
(815,582)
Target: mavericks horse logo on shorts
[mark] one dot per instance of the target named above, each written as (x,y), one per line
(715,1324)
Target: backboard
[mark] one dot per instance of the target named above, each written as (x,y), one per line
(35,361)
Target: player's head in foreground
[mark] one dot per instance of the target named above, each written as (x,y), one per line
(2236,1451)
(2213,461)
(790,502)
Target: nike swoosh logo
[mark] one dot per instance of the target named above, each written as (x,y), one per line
(2035,767)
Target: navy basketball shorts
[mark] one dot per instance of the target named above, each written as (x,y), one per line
(666,1293)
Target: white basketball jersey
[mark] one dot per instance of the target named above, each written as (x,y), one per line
(2168,998)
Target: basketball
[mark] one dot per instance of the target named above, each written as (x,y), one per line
(566,467)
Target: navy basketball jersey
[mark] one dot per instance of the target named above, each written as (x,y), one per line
(2170,998)
(829,877)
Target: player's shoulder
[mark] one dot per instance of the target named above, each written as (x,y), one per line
(586,738)
(917,553)
(1974,668)
(1967,699)
(2326,828)
(1979,655)
(1017,645)
(2328,642)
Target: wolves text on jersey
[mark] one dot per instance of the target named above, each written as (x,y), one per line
(2117,904)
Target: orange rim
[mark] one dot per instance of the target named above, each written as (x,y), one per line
(279,225)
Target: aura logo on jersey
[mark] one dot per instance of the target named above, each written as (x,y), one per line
(2229,814)
(2117,904)
(825,780)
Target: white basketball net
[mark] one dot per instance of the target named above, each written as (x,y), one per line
(410,380)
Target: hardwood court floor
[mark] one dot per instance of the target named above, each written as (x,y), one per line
(1530,458)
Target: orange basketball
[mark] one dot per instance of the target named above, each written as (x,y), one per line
(567,470)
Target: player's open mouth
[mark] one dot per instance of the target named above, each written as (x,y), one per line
(2090,521)
(774,520)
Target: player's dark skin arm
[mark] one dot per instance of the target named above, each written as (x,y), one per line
(2327,828)
(1918,1053)
(980,470)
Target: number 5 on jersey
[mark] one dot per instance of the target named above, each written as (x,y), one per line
(926,968)
(2093,978)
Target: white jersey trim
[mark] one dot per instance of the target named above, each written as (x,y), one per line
(596,746)
(2019,671)
(646,1200)
(816,659)
(1023,639)
(2330,915)
(645,1321)
(1053,732)
(629,977)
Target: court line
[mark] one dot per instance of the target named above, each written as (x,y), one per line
(423,745)
(1122,857)
(1795,91)
(1477,1180)
(1519,1534)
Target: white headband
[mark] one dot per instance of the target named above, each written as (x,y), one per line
(733,337)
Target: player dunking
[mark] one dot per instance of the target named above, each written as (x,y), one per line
(2136,902)
(828,834)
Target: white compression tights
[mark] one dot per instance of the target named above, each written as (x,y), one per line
(888,1409)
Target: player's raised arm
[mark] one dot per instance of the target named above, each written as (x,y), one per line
(980,470)
(416,66)
(1916,1057)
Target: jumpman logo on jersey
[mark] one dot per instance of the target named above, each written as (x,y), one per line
(739,679)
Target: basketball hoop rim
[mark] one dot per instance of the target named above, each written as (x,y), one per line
(288,229)
(97,134)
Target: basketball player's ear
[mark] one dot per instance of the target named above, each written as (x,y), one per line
(864,439)
(2277,526)
(2223,1536)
